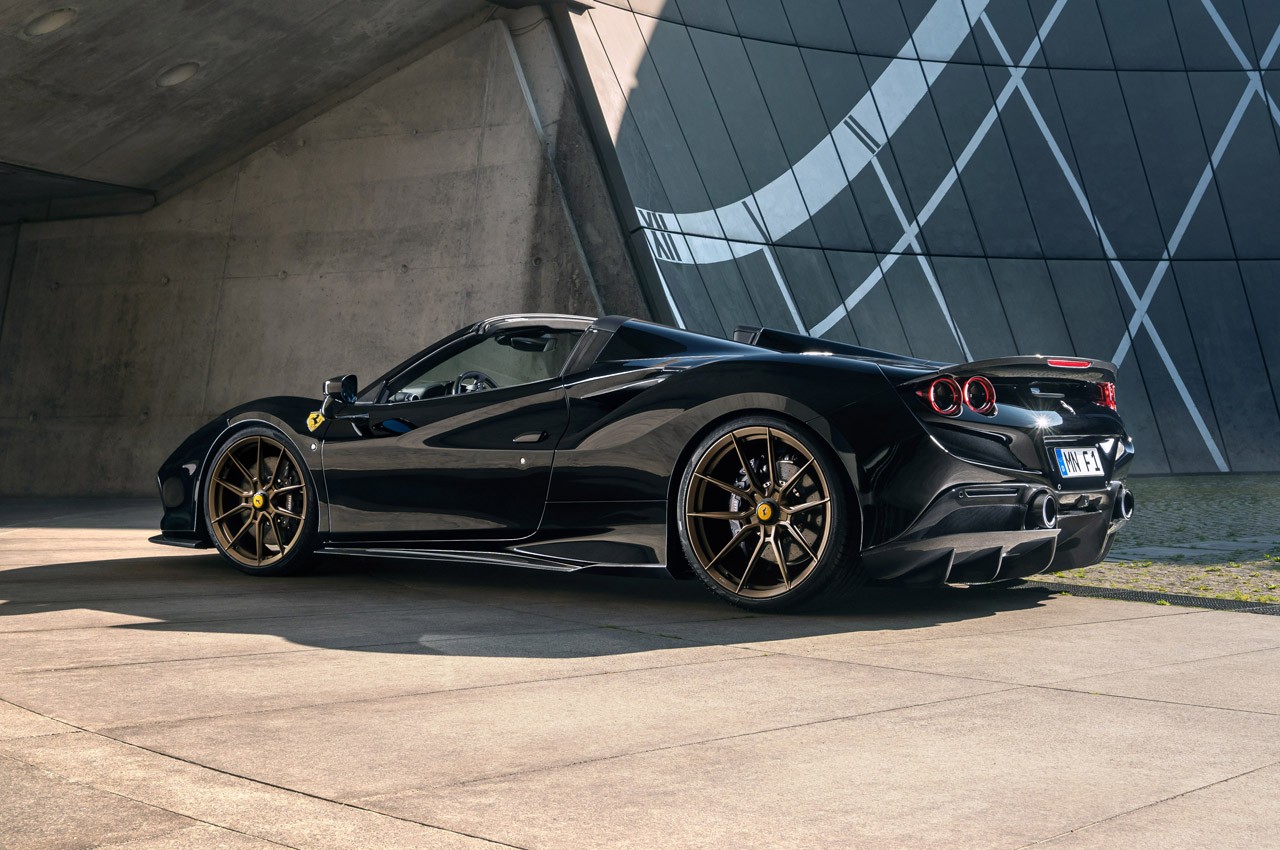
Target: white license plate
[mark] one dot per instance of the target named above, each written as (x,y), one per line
(1079,463)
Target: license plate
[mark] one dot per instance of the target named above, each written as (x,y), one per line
(1079,463)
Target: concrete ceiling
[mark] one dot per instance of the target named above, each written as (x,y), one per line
(83,101)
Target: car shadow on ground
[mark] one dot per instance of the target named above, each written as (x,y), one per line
(378,605)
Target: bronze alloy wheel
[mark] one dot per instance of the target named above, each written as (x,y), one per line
(758,512)
(258,504)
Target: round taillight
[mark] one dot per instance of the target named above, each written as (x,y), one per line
(944,396)
(1107,390)
(980,395)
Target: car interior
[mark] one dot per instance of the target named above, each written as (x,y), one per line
(503,359)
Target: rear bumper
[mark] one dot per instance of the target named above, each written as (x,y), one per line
(984,533)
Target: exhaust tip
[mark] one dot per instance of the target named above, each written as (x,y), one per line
(1043,512)
(1124,505)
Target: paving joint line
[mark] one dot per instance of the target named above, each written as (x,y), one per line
(36,670)
(108,599)
(412,694)
(145,625)
(1152,804)
(249,779)
(159,808)
(739,644)
(297,649)
(1106,695)
(1167,664)
(701,742)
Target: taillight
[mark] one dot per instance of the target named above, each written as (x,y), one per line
(1108,391)
(944,396)
(1064,363)
(980,395)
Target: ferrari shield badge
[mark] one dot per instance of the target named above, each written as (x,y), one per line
(314,420)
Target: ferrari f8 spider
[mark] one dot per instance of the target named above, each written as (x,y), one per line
(778,469)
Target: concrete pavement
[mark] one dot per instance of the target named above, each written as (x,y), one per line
(155,698)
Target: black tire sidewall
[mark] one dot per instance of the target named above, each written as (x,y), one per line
(841,554)
(299,556)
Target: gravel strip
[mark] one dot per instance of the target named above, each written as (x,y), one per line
(1214,536)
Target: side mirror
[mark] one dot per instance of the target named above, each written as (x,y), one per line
(338,393)
(342,387)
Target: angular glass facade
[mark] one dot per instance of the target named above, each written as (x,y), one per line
(961,179)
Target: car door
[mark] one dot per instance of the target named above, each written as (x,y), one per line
(427,463)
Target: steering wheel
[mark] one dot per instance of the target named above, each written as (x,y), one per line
(478,382)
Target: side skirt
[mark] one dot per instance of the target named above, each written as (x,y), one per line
(509,559)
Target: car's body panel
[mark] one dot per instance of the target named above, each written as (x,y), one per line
(440,479)
(579,470)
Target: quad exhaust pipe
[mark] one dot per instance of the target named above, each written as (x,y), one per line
(1123,507)
(1043,511)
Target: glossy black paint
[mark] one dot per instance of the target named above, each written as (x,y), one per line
(460,472)
(578,471)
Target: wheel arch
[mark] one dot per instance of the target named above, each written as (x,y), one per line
(244,422)
(830,438)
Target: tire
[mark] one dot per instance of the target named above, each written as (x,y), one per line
(760,492)
(259,503)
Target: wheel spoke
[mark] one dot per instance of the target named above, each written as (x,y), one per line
(275,473)
(257,532)
(243,528)
(807,506)
(741,494)
(230,512)
(796,536)
(257,467)
(746,467)
(241,493)
(240,466)
(768,447)
(751,562)
(794,477)
(291,488)
(287,514)
(782,561)
(271,521)
(733,541)
(730,515)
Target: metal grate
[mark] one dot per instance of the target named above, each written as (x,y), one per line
(1152,596)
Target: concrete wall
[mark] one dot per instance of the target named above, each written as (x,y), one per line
(962,179)
(420,205)
(8,244)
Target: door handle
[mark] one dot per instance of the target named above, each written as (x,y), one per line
(531,437)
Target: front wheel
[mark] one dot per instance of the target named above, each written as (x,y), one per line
(764,517)
(259,504)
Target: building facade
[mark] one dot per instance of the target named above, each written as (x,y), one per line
(963,179)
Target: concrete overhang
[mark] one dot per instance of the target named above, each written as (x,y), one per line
(128,100)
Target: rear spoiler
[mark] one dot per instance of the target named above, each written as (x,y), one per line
(789,343)
(1044,367)
(1036,367)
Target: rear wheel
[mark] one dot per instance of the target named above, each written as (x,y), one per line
(764,517)
(260,505)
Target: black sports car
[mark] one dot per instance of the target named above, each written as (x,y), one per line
(776,468)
